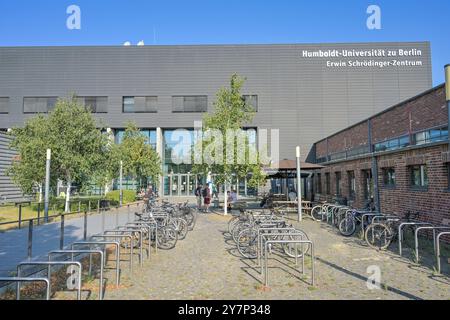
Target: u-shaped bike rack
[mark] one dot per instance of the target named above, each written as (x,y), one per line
(90,252)
(50,264)
(20,279)
(416,237)
(438,249)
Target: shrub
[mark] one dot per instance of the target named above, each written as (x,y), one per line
(128,196)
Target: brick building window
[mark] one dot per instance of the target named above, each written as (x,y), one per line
(319,183)
(368,184)
(389,177)
(338,183)
(327,183)
(418,176)
(351,184)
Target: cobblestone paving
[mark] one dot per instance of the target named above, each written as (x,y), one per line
(206,265)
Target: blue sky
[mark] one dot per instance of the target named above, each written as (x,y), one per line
(111,22)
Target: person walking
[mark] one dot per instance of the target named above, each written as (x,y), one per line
(198,194)
(206,197)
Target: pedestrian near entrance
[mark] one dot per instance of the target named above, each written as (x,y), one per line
(206,197)
(198,194)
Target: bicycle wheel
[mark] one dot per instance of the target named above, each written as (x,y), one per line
(290,248)
(247,243)
(378,236)
(191,219)
(317,213)
(181,226)
(347,226)
(167,238)
(238,228)
(232,223)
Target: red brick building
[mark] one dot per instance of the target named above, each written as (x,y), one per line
(398,160)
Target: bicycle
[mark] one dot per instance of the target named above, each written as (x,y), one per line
(381,234)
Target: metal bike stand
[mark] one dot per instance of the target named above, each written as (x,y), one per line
(145,231)
(416,238)
(122,230)
(19,279)
(275,233)
(50,264)
(261,231)
(90,252)
(150,227)
(104,243)
(400,233)
(363,218)
(438,250)
(376,219)
(153,226)
(266,262)
(117,236)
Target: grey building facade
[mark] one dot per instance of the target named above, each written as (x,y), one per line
(307,91)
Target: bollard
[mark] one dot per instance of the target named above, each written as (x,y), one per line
(61,239)
(98,206)
(20,216)
(89,206)
(85,225)
(30,239)
(79,206)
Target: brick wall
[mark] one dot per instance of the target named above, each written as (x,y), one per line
(433,203)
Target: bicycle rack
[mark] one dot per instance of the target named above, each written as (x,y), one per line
(90,252)
(20,279)
(104,243)
(152,226)
(49,264)
(131,231)
(416,238)
(277,231)
(117,236)
(149,228)
(363,219)
(400,233)
(266,262)
(438,250)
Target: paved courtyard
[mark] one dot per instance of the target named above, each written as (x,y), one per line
(206,265)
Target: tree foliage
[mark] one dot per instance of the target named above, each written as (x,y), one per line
(231,113)
(140,160)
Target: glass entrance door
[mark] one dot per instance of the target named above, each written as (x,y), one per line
(183,185)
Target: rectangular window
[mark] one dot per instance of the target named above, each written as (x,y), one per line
(327,183)
(430,136)
(351,184)
(338,183)
(95,104)
(150,136)
(140,104)
(39,104)
(419,176)
(392,144)
(389,177)
(189,104)
(251,100)
(4,102)
(319,183)
(368,184)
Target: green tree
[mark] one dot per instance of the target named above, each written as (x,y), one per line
(78,146)
(231,114)
(28,170)
(140,160)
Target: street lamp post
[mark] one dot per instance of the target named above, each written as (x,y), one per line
(299,186)
(47,184)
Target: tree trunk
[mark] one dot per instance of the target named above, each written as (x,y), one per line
(40,192)
(67,208)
